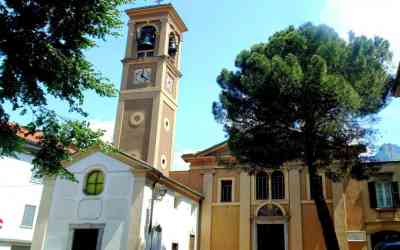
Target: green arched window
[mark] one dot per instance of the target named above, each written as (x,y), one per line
(94,183)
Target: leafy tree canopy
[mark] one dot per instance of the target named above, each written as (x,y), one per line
(41,55)
(303,95)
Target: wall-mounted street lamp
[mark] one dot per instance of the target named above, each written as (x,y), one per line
(159,191)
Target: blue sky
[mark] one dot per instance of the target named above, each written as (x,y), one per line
(218,31)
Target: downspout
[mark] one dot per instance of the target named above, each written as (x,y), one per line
(198,237)
(152,208)
(150,230)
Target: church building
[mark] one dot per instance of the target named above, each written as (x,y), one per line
(131,200)
(126,199)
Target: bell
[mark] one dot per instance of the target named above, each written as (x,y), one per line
(172,46)
(146,42)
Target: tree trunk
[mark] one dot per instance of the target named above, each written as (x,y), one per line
(324,216)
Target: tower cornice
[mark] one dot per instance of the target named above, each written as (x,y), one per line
(167,9)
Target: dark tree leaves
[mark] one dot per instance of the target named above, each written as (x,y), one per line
(41,55)
(304,95)
(305,90)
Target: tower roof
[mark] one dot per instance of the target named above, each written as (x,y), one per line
(165,9)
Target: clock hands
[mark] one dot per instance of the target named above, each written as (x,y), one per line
(144,76)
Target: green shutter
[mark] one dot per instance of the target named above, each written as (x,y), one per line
(396,195)
(372,194)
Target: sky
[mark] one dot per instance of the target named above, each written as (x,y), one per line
(218,31)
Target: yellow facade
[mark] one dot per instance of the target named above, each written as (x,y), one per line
(235,224)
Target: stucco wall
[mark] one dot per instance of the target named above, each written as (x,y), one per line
(177,223)
(225,228)
(71,206)
(16,191)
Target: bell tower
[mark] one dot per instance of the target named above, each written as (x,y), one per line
(145,122)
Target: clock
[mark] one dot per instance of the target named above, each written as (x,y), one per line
(142,75)
(169,84)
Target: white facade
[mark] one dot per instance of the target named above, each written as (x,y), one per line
(111,211)
(177,223)
(16,192)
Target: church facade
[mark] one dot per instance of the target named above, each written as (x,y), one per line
(273,209)
(132,200)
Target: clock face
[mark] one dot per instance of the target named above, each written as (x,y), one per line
(169,84)
(143,75)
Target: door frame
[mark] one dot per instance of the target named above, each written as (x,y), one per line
(270,220)
(72,227)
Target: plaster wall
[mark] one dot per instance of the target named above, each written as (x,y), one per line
(16,191)
(178,222)
(71,206)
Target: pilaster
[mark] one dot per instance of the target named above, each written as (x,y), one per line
(163,48)
(245,199)
(206,212)
(42,220)
(135,236)
(295,222)
(339,216)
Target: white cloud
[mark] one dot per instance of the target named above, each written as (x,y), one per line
(366,17)
(108,126)
(178,163)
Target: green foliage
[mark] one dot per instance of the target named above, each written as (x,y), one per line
(59,141)
(41,55)
(302,95)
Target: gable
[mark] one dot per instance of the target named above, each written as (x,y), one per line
(98,159)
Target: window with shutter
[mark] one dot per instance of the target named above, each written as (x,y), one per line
(396,195)
(372,194)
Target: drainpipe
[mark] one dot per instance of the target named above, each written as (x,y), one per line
(198,234)
(152,207)
(150,230)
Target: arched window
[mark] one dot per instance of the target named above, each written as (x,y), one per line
(262,186)
(173,43)
(146,39)
(270,210)
(94,183)
(278,185)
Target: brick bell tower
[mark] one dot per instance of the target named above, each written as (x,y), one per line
(145,122)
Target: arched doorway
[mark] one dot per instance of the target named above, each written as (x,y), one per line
(380,238)
(270,228)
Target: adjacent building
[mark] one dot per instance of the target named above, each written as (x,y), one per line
(273,208)
(20,194)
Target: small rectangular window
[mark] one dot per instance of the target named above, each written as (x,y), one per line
(226,190)
(174,246)
(29,216)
